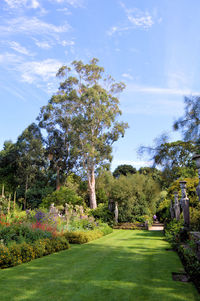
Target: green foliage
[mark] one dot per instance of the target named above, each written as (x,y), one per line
(102,213)
(136,195)
(124,170)
(24,252)
(173,232)
(191,263)
(195,218)
(84,113)
(80,237)
(190,122)
(163,210)
(21,233)
(191,190)
(62,196)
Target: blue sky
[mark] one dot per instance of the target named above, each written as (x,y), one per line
(153,46)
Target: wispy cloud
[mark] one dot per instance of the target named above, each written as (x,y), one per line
(43,44)
(19,48)
(64,10)
(10,59)
(32,26)
(35,71)
(160,90)
(127,75)
(20,3)
(135,18)
(74,3)
(67,43)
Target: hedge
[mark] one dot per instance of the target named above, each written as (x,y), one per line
(82,237)
(20,253)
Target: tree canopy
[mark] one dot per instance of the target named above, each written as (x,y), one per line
(85,111)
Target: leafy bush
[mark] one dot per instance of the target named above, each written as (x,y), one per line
(173,232)
(62,196)
(4,256)
(191,263)
(27,252)
(81,237)
(102,213)
(136,195)
(20,253)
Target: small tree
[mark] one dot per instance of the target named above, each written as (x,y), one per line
(85,111)
(124,170)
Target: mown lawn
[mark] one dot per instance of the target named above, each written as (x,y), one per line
(125,265)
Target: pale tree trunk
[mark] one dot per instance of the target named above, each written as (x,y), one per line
(91,188)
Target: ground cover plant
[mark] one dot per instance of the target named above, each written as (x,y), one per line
(125,265)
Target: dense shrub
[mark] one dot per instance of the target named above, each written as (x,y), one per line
(15,254)
(27,252)
(20,253)
(102,213)
(131,226)
(173,232)
(5,257)
(191,263)
(62,196)
(136,195)
(81,237)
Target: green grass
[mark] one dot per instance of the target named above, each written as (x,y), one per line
(125,265)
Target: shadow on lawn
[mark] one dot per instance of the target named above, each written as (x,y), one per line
(98,271)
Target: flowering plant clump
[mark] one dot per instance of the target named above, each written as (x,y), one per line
(4,220)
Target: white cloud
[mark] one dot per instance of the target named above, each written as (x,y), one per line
(64,10)
(177,79)
(74,3)
(20,3)
(10,59)
(39,70)
(17,47)
(43,44)
(143,21)
(136,18)
(127,75)
(67,43)
(31,26)
(159,90)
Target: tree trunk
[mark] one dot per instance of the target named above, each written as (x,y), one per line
(91,188)
(58,178)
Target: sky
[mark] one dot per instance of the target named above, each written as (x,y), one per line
(152,46)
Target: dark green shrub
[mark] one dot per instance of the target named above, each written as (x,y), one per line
(59,243)
(5,256)
(62,196)
(27,252)
(102,213)
(173,232)
(39,248)
(191,263)
(15,254)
